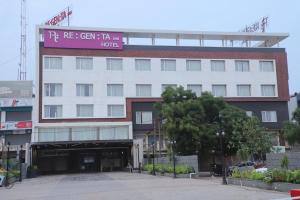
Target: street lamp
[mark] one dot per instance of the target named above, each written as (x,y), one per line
(20,161)
(7,167)
(138,157)
(221,134)
(153,167)
(174,161)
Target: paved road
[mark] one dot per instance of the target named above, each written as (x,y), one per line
(119,186)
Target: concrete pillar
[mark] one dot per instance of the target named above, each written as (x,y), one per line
(137,152)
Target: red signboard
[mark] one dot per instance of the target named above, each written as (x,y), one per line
(57,19)
(16,125)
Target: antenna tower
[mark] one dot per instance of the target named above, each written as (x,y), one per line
(23,48)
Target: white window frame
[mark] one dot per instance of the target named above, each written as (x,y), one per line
(109,67)
(80,66)
(57,113)
(111,91)
(243,85)
(244,68)
(138,90)
(265,85)
(214,69)
(266,116)
(110,110)
(164,86)
(261,69)
(143,68)
(80,89)
(188,65)
(164,67)
(216,85)
(48,62)
(188,87)
(84,105)
(48,87)
(141,115)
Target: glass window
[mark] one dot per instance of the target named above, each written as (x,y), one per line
(115,110)
(53,62)
(53,134)
(115,90)
(107,133)
(268,90)
(114,64)
(114,133)
(84,90)
(266,66)
(85,110)
(242,66)
(142,64)
(121,133)
(143,90)
(196,88)
(165,86)
(84,63)
(84,133)
(168,65)
(193,65)
(53,111)
(244,90)
(143,117)
(219,90)
(269,116)
(53,89)
(217,65)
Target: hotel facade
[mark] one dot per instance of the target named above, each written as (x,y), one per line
(96,87)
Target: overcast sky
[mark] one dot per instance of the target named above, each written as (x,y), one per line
(209,15)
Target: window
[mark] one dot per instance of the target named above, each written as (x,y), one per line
(197,89)
(53,89)
(242,66)
(249,113)
(53,62)
(85,110)
(217,65)
(266,66)
(269,116)
(143,90)
(268,90)
(84,90)
(53,111)
(144,117)
(53,134)
(142,64)
(168,65)
(115,90)
(165,86)
(114,133)
(114,64)
(244,90)
(84,63)
(115,110)
(193,65)
(86,133)
(219,90)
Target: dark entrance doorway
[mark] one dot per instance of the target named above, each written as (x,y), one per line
(87,157)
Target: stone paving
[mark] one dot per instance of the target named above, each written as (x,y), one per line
(122,185)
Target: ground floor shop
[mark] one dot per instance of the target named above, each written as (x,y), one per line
(74,157)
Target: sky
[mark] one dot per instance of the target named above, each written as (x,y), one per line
(197,15)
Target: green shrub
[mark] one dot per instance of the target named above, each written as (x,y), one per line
(179,169)
(293,176)
(279,175)
(257,175)
(284,162)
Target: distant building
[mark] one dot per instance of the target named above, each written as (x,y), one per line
(96,88)
(294,103)
(16,115)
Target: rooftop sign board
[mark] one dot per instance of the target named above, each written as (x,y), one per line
(15,89)
(55,38)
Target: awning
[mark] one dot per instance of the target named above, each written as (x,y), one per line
(16,109)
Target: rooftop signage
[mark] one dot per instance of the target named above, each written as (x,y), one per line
(55,38)
(15,102)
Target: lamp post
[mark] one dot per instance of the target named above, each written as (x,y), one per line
(174,158)
(153,167)
(20,161)
(138,157)
(221,134)
(7,167)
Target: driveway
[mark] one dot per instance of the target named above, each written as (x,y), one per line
(122,185)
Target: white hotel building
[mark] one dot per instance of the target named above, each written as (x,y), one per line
(93,105)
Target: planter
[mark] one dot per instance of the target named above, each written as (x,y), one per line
(277,186)
(167,174)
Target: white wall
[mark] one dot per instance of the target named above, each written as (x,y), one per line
(100,77)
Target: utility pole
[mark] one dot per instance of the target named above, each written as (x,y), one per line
(23,47)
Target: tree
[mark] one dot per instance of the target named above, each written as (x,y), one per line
(291,129)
